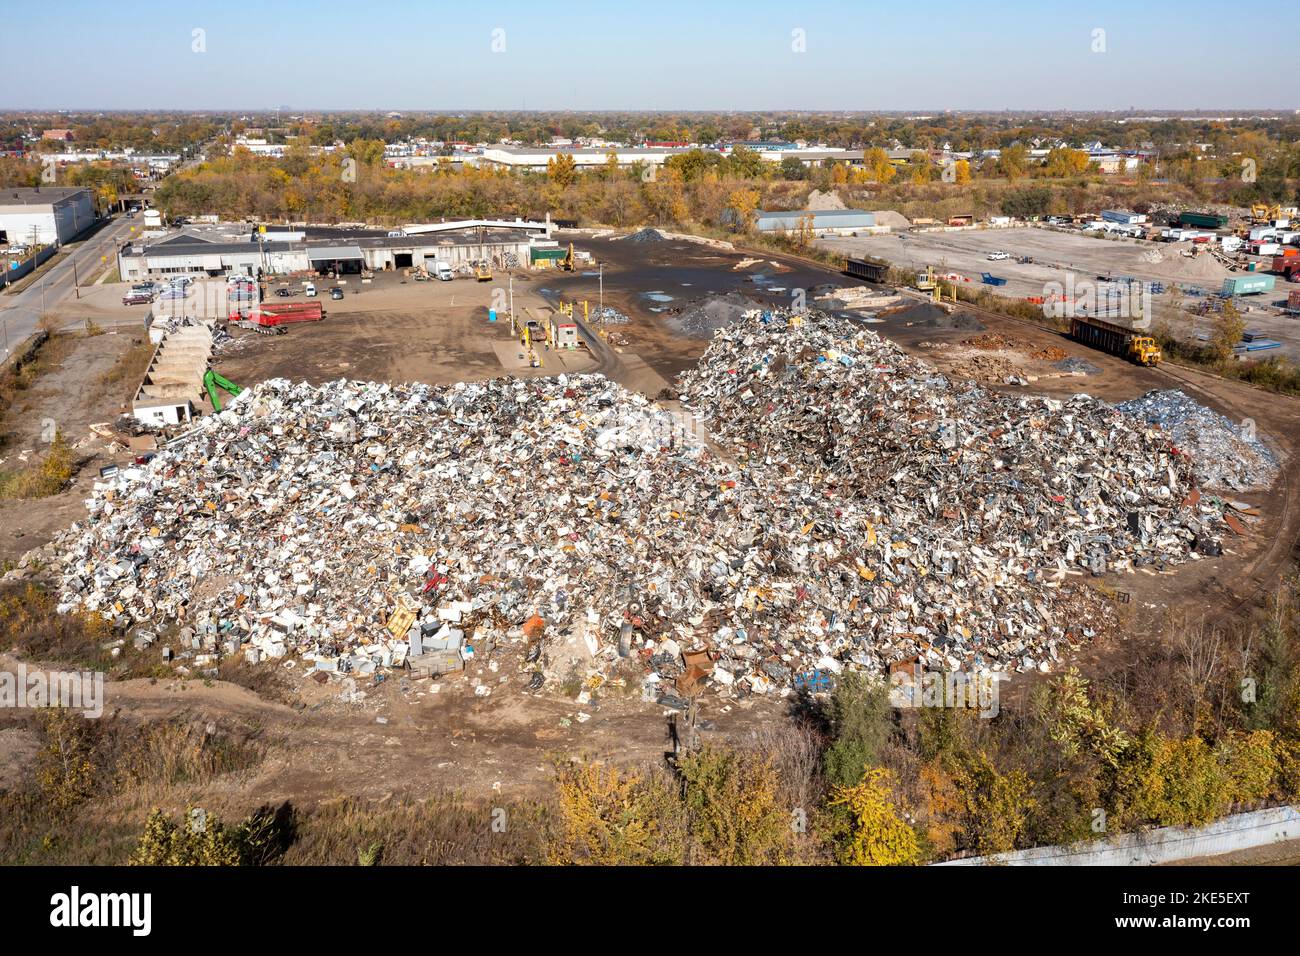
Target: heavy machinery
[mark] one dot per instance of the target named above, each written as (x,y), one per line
(925,281)
(566,264)
(1117,340)
(215,383)
(1263,212)
(483,272)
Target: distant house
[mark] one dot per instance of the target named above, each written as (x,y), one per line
(59,135)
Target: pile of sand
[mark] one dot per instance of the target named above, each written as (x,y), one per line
(892,219)
(824,200)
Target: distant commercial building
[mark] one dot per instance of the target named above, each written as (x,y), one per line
(814,157)
(59,135)
(825,222)
(46,215)
(536,158)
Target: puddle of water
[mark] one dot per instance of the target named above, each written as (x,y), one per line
(657,296)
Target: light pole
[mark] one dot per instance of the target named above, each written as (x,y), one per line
(511,285)
(601,264)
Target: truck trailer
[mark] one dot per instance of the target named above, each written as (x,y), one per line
(1116,339)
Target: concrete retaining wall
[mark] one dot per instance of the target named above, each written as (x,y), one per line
(1241,831)
(26,268)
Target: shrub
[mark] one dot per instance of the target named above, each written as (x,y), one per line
(735,815)
(876,835)
(612,817)
(860,722)
(996,805)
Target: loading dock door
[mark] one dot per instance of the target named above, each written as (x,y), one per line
(341,259)
(402,260)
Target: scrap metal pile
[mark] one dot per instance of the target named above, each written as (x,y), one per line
(1226,454)
(876,511)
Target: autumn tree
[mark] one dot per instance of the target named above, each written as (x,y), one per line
(1228,329)
(743,205)
(561,170)
(879,168)
(1013,162)
(919,167)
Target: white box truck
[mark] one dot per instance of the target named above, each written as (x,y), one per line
(442,270)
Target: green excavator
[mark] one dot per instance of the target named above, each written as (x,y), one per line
(215,383)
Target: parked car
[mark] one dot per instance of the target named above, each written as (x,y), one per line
(286,293)
(995,256)
(336,293)
(310,289)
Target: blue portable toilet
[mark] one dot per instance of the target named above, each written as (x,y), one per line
(492,315)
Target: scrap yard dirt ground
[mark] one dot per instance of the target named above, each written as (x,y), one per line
(1056,252)
(404,736)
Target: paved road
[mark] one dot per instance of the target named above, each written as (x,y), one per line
(20,313)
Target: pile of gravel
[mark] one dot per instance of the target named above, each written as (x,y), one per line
(647,235)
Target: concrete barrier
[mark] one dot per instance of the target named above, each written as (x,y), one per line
(1241,831)
(26,267)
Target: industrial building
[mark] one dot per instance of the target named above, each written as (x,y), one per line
(536,158)
(50,215)
(825,222)
(278,251)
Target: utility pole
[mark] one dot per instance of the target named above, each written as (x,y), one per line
(511,285)
(602,290)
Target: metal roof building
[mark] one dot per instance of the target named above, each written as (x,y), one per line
(824,221)
(49,215)
(191,252)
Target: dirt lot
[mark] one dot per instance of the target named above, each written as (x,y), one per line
(82,380)
(1058,252)
(398,331)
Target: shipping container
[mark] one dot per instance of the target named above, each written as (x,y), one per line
(1293,301)
(1202,220)
(1247,285)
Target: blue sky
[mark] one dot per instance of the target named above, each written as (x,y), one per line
(573,54)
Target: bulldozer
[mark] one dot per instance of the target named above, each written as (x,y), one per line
(483,272)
